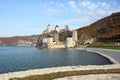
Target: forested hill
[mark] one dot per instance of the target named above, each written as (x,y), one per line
(106,29)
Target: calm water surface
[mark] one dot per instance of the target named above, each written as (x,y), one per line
(24,58)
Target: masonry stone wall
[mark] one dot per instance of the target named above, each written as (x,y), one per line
(66,28)
(69,42)
(75,37)
(57,29)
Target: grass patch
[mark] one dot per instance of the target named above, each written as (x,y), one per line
(107,47)
(52,76)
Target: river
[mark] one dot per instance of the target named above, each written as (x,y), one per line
(24,58)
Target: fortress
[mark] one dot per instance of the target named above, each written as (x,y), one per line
(57,38)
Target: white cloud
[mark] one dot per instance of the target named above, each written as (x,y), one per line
(114,4)
(85,3)
(89,5)
(100,12)
(74,20)
(104,4)
(93,5)
(95,10)
(51,7)
(51,2)
(87,10)
(51,11)
(74,7)
(61,5)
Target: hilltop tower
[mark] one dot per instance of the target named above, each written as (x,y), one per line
(48,30)
(74,36)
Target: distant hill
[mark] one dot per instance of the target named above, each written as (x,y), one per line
(19,40)
(104,30)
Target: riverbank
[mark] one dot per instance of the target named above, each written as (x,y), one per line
(112,55)
(93,77)
(107,47)
(20,74)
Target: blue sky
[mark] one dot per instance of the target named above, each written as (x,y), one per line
(28,17)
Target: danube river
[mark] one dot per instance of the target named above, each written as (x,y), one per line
(24,58)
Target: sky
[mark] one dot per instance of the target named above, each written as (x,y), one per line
(30,17)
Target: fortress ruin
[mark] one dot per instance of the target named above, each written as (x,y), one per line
(57,38)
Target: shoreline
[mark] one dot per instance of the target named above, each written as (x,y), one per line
(104,55)
(112,60)
(20,74)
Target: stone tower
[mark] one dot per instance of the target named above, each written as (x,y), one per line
(57,28)
(66,28)
(56,37)
(69,42)
(74,36)
(49,28)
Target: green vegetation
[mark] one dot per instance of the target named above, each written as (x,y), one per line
(52,76)
(107,47)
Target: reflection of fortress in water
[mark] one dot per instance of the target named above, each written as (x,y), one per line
(58,38)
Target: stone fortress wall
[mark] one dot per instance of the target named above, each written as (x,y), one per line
(75,37)
(51,38)
(70,42)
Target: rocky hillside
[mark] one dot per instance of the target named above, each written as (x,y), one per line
(19,41)
(104,30)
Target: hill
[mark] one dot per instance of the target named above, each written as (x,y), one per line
(104,30)
(19,41)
